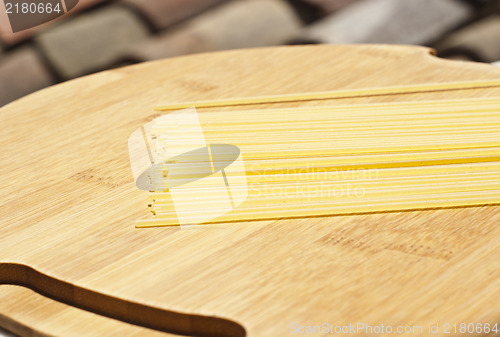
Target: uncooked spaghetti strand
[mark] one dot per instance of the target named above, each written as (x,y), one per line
(475,198)
(353,93)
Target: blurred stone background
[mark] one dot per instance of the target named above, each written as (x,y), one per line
(103,34)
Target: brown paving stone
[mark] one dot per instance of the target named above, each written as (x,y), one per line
(164,13)
(9,38)
(330,6)
(21,73)
(481,39)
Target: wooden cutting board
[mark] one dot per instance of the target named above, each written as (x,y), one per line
(69,205)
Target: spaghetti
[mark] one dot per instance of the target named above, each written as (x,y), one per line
(327,160)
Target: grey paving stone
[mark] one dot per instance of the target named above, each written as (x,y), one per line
(238,24)
(21,73)
(481,39)
(391,21)
(92,41)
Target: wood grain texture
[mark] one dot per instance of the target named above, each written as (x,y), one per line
(31,314)
(69,206)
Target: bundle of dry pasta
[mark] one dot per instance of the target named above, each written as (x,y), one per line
(327,160)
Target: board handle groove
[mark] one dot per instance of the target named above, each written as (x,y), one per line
(116,308)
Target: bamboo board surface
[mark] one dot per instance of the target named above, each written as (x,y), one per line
(69,206)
